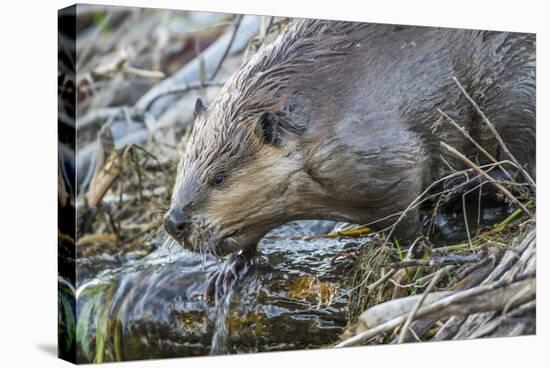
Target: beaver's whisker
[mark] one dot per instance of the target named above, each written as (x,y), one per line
(153,234)
(213,244)
(161,229)
(218,258)
(201,254)
(168,242)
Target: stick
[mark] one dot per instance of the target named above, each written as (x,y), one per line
(185,87)
(482,173)
(474,142)
(452,259)
(411,316)
(497,136)
(144,73)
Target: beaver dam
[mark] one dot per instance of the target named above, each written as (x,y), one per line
(140,295)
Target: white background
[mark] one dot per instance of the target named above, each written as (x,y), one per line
(28,126)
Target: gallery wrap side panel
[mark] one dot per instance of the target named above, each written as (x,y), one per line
(66,175)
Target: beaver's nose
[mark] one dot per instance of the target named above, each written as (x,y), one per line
(176,223)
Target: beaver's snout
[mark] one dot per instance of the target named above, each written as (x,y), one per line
(176,223)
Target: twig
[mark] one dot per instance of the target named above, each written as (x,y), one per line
(111,67)
(171,90)
(452,259)
(486,176)
(96,238)
(466,224)
(96,116)
(97,30)
(229,44)
(403,273)
(474,142)
(411,316)
(381,280)
(137,166)
(143,73)
(497,136)
(116,229)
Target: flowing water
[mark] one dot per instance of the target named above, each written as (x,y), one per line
(293,296)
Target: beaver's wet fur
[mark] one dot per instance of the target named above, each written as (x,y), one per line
(335,120)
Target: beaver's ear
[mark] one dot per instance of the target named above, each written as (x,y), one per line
(199,108)
(268,129)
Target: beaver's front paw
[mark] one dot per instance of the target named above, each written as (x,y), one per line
(222,279)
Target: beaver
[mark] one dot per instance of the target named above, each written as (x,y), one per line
(334,121)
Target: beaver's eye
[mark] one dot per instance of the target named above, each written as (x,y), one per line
(218,179)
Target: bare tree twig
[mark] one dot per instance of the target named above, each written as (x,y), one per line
(96,116)
(236,26)
(497,136)
(97,30)
(143,73)
(482,173)
(439,261)
(474,142)
(411,316)
(170,90)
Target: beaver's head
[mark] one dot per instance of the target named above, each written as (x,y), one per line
(237,180)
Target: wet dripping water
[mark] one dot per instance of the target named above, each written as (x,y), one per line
(221,326)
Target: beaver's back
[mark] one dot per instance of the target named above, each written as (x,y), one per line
(322,74)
